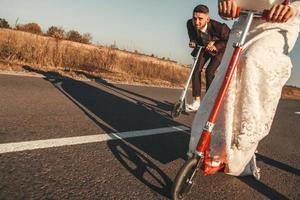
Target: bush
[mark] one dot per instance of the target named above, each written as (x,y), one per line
(4,23)
(77,37)
(86,38)
(30,27)
(56,32)
(74,36)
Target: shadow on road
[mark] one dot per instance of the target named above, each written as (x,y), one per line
(278,164)
(141,166)
(262,188)
(114,109)
(162,107)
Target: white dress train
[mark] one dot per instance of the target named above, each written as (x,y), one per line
(252,98)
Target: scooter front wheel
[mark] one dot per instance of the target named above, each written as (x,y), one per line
(177,109)
(184,179)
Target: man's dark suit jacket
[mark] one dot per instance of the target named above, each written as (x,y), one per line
(217,32)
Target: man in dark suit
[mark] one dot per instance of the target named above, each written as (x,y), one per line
(213,36)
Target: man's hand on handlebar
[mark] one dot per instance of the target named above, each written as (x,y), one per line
(211,47)
(192,44)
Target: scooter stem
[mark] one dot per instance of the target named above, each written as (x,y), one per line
(191,74)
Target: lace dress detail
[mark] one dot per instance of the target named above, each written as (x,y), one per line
(252,98)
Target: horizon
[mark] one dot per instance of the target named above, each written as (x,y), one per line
(129,25)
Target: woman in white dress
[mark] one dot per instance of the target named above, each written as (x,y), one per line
(254,92)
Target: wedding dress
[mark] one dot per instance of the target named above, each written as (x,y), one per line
(254,92)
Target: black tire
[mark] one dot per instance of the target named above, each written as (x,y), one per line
(181,187)
(177,109)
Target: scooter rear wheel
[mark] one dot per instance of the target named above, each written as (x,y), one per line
(182,183)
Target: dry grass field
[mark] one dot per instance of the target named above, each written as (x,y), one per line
(81,61)
(74,59)
(290,92)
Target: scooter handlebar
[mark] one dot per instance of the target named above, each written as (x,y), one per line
(257,14)
(213,53)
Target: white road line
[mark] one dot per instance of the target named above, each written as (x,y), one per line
(41,144)
(297,113)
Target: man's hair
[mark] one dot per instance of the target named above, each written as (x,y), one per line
(201,8)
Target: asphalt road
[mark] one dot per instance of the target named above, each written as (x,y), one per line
(40,109)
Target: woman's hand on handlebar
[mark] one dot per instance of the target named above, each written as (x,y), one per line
(280,13)
(227,8)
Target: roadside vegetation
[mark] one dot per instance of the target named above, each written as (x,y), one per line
(73,55)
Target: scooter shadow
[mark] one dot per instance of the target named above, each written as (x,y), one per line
(141,166)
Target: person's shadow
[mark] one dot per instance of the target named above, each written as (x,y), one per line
(263,188)
(164,108)
(117,110)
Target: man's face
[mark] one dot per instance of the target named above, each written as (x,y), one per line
(200,19)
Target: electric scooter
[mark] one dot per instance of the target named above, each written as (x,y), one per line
(185,178)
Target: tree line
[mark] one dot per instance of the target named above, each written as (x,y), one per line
(53,31)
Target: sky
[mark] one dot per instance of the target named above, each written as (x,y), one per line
(152,27)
